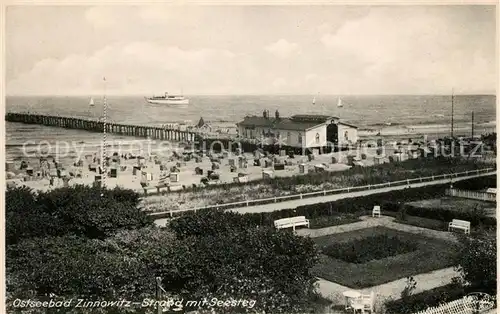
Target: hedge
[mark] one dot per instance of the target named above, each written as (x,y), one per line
(442,214)
(429,298)
(477,183)
(392,201)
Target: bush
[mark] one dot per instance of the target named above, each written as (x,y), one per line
(78,210)
(446,215)
(207,223)
(478,261)
(360,251)
(477,183)
(75,266)
(421,301)
(253,263)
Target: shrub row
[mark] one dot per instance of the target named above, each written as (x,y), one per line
(429,298)
(477,183)
(446,215)
(394,201)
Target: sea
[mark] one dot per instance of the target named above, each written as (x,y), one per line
(369,113)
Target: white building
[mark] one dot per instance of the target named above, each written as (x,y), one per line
(298,131)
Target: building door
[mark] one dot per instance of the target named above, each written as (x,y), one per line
(332,131)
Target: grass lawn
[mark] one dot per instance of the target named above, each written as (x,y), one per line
(431,254)
(458,204)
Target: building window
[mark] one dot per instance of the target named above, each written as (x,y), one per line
(346,135)
(317,138)
(299,138)
(289,137)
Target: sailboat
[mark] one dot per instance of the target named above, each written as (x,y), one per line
(339,103)
(91,102)
(314,100)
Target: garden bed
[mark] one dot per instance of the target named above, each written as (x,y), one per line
(461,205)
(381,246)
(430,254)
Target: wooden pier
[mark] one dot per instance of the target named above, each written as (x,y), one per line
(94,125)
(167,133)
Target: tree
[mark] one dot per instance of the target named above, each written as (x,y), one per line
(228,256)
(76,266)
(79,210)
(477,261)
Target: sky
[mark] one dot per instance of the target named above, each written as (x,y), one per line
(197,50)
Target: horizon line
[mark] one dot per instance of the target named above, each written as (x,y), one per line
(254,94)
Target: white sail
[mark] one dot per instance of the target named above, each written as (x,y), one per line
(91,103)
(339,103)
(314,100)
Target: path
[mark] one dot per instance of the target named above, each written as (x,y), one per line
(329,198)
(368,222)
(426,281)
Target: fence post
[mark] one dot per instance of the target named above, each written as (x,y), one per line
(171,214)
(324,192)
(347,190)
(275,199)
(420,179)
(432,178)
(247,203)
(300,195)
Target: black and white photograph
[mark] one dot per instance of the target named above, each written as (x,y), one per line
(257,158)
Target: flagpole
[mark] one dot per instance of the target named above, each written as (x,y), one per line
(104,152)
(452,109)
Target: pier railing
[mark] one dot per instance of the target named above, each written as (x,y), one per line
(476,195)
(298,196)
(95,125)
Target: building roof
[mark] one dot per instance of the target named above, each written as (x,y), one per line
(281,123)
(296,122)
(347,124)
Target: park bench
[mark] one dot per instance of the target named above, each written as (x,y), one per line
(376,211)
(291,222)
(460,224)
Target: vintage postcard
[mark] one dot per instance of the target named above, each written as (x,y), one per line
(250,158)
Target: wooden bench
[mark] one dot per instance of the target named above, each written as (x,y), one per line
(291,222)
(376,211)
(460,224)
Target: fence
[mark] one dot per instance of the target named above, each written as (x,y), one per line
(465,305)
(278,199)
(476,195)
